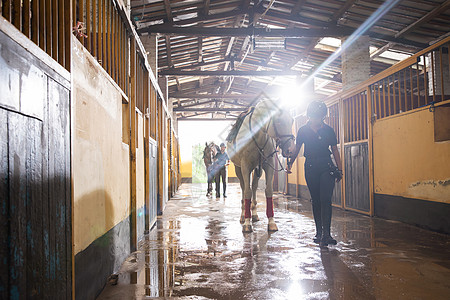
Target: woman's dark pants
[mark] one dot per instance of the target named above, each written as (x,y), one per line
(221,173)
(320,184)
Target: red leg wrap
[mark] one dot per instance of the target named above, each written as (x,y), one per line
(269,207)
(248,213)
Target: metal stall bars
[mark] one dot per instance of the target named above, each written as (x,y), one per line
(418,82)
(421,80)
(45,22)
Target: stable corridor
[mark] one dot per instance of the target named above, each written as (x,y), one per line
(196,250)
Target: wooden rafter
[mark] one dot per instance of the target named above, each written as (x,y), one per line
(209,109)
(338,14)
(297,7)
(214,101)
(168,11)
(212,96)
(188,118)
(228,73)
(210,17)
(206,7)
(380,51)
(251,31)
(200,49)
(439,9)
(169,52)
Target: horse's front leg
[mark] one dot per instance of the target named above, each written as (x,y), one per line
(241,183)
(272,226)
(245,172)
(255,181)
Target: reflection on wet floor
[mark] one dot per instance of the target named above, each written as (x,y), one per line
(197,251)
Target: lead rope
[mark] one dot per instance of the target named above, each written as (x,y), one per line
(261,150)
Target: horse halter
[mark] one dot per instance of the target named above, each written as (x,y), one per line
(279,137)
(277,141)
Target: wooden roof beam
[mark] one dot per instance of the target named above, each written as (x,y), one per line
(297,7)
(245,4)
(188,118)
(331,31)
(218,16)
(211,96)
(197,103)
(312,44)
(209,109)
(380,51)
(173,72)
(338,14)
(202,64)
(169,52)
(436,11)
(168,11)
(206,7)
(215,101)
(200,49)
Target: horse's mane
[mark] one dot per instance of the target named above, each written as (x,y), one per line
(237,125)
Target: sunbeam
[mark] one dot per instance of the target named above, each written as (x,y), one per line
(378,14)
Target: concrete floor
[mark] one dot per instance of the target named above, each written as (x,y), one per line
(198,251)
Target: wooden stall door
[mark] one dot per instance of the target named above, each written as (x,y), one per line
(152,209)
(36,207)
(35,214)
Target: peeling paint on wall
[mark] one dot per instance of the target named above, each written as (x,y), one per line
(431,182)
(431,189)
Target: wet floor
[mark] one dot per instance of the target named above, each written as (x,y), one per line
(197,251)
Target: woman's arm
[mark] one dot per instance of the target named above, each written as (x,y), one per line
(337,157)
(293,157)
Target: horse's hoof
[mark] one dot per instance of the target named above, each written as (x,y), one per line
(255,218)
(242,219)
(272,227)
(247,228)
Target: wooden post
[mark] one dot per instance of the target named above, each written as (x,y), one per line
(160,156)
(342,120)
(146,148)
(132,106)
(370,128)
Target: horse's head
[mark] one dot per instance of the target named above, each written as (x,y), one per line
(281,131)
(207,152)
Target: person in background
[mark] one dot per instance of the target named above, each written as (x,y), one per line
(320,171)
(209,152)
(221,164)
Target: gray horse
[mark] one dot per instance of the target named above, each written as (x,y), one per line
(264,129)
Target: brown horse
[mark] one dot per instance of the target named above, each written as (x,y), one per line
(208,154)
(263,130)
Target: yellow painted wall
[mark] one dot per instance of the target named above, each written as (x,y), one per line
(186,169)
(100,161)
(301,172)
(292,178)
(231,170)
(298,170)
(407,161)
